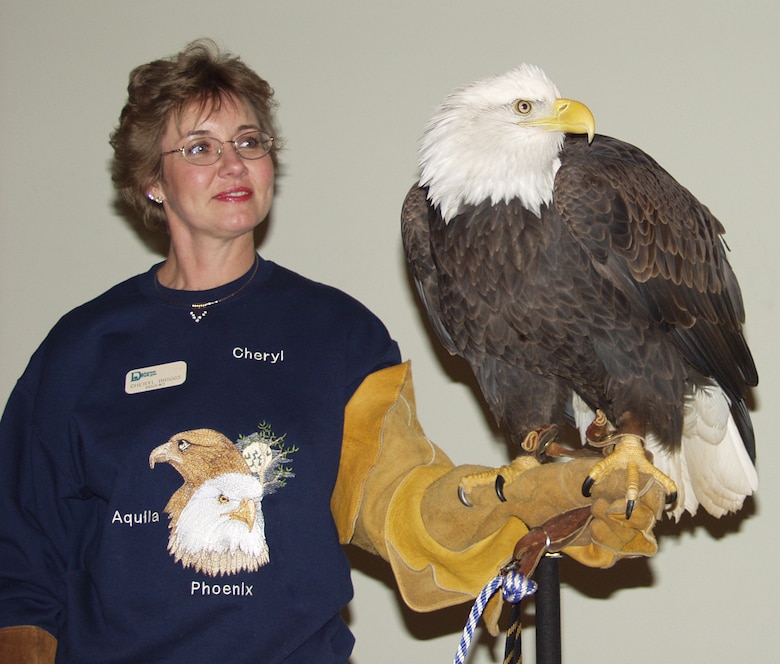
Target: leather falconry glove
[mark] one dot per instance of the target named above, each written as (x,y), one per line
(397,495)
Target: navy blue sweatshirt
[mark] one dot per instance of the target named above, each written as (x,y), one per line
(132,525)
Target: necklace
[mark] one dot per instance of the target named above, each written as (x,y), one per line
(198,310)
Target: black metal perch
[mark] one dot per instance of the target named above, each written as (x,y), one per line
(548,616)
(537,554)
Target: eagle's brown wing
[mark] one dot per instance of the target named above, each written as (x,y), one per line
(650,236)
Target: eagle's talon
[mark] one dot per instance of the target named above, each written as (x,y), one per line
(587,485)
(497,478)
(630,505)
(671,498)
(462,497)
(500,481)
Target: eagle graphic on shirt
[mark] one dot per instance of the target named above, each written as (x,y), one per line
(217,525)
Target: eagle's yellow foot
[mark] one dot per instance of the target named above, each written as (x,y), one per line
(496,476)
(629,454)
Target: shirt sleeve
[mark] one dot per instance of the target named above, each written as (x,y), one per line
(31,567)
(371,349)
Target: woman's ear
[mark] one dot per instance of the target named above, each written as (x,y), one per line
(154,194)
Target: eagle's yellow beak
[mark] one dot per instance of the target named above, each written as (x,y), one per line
(570,116)
(246,512)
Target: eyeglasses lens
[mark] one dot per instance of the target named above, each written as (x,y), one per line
(207,150)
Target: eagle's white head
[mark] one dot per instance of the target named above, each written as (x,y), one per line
(499,139)
(221,530)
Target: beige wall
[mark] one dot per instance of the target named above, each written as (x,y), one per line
(693,83)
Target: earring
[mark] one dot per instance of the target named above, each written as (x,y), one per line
(154,199)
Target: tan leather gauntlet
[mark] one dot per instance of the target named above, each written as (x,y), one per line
(397,496)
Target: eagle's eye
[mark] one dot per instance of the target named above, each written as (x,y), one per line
(223,499)
(523,107)
(183,444)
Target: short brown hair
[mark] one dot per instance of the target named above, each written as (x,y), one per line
(200,74)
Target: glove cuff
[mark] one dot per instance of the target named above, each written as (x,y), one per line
(27,644)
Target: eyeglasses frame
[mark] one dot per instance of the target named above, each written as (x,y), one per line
(233,141)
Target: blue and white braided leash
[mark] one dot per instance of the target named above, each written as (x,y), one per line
(514,587)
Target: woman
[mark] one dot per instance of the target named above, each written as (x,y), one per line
(184,454)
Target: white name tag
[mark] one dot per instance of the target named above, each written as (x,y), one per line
(155,378)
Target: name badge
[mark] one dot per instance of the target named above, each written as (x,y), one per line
(155,378)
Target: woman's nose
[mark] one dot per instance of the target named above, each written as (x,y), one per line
(231,161)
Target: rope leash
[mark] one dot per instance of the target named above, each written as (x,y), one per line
(514,587)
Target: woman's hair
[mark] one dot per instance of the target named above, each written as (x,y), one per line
(201,74)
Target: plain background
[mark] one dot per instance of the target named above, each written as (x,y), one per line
(692,83)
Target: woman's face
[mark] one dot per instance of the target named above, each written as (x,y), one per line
(223,200)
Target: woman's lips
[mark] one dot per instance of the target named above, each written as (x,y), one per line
(234,195)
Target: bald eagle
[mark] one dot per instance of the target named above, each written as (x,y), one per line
(576,276)
(221,529)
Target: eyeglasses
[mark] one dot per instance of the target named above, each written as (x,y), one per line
(207,150)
